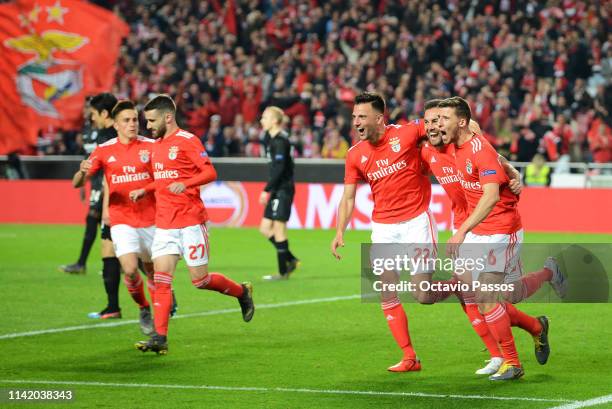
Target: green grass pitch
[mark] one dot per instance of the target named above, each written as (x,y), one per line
(330,351)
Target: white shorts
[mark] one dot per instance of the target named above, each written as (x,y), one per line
(417,237)
(498,253)
(128,239)
(191,242)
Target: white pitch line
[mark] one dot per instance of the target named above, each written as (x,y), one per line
(286,390)
(586,403)
(196,314)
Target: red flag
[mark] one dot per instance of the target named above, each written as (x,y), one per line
(230,17)
(55,53)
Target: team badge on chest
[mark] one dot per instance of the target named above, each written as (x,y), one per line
(173,152)
(144,156)
(395,144)
(468,166)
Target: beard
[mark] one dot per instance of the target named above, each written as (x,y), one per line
(160,132)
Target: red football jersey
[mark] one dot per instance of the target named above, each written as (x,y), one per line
(442,165)
(393,168)
(477,164)
(126,167)
(177,158)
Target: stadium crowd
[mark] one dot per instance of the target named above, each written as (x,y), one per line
(538,75)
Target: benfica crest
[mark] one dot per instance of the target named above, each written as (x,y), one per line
(144,156)
(54,54)
(395,144)
(468,166)
(45,79)
(173,152)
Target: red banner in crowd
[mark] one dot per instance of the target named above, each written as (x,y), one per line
(54,54)
(315,205)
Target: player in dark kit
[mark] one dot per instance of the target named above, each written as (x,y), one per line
(101,106)
(100,132)
(278,193)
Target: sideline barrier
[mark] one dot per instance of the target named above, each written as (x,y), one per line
(236,204)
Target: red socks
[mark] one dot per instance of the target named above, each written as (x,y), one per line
(135,287)
(498,322)
(148,268)
(219,282)
(151,288)
(520,319)
(398,324)
(163,302)
(482,329)
(533,281)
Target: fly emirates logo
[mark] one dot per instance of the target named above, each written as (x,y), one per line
(384,169)
(160,173)
(468,185)
(129,175)
(449,176)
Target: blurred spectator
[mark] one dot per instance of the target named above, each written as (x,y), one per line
(537,173)
(198,120)
(14,168)
(232,144)
(254,145)
(334,146)
(213,139)
(600,141)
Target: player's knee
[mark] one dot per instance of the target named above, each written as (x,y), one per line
(201,282)
(511,296)
(282,236)
(423,297)
(265,231)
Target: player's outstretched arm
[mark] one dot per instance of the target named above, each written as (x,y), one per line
(490,196)
(345,212)
(81,176)
(514,175)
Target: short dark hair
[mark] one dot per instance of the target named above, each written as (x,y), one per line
(103,102)
(162,102)
(122,105)
(374,98)
(432,103)
(462,108)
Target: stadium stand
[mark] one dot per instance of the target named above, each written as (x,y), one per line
(538,75)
